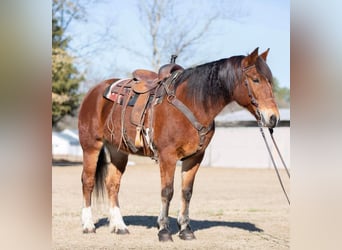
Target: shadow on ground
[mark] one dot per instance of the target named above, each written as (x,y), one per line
(151,221)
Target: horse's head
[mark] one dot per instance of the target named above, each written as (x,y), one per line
(254,92)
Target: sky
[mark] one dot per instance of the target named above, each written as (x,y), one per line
(262,23)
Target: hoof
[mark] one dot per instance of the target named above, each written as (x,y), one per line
(87,230)
(120,231)
(187,234)
(164,235)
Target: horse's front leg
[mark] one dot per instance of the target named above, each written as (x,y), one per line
(189,170)
(167,171)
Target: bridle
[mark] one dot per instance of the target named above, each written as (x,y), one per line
(250,94)
(254,102)
(259,121)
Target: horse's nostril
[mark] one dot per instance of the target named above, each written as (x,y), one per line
(273,120)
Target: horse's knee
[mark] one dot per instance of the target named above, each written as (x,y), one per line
(167,192)
(112,188)
(88,181)
(187,194)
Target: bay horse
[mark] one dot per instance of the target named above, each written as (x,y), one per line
(182,125)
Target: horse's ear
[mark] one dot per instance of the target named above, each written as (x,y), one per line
(250,59)
(264,54)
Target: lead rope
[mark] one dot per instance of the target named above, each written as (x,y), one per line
(275,144)
(274,164)
(255,103)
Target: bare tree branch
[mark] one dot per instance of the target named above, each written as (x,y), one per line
(182,46)
(171,30)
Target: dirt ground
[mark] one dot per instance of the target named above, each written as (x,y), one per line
(230,209)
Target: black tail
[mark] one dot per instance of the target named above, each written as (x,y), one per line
(100,174)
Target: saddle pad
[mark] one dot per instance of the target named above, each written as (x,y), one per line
(117,92)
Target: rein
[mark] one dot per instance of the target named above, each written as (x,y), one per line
(255,103)
(274,164)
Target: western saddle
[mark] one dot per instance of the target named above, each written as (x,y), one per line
(140,92)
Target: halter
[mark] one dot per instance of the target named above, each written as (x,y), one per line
(254,102)
(258,113)
(250,94)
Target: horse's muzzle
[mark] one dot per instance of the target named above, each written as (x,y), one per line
(269,119)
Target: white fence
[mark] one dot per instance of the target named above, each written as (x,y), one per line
(66,145)
(245,147)
(240,147)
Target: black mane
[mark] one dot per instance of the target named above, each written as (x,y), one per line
(209,82)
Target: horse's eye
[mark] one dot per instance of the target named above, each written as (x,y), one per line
(255,80)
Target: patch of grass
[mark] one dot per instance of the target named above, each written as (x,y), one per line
(255,210)
(219,212)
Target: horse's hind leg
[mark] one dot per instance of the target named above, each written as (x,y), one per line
(115,172)
(189,170)
(90,158)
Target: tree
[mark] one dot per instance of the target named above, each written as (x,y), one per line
(65,76)
(65,81)
(282,94)
(170,30)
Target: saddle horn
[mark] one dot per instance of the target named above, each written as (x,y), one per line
(173,59)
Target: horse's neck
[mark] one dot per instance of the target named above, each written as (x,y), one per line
(204,116)
(213,111)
